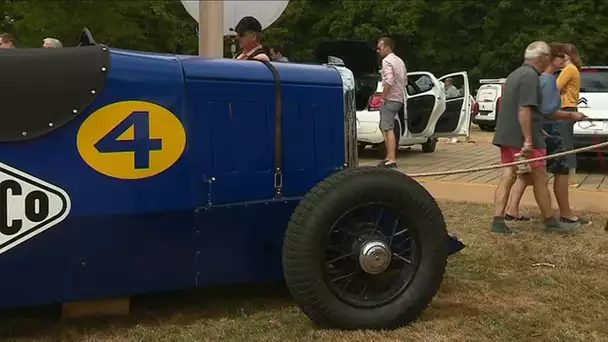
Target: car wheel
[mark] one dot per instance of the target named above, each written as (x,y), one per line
(430,145)
(365,249)
(382,146)
(486,128)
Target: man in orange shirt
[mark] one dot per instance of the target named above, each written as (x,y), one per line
(569,84)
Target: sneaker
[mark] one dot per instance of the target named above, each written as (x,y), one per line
(580,220)
(499,226)
(553,225)
(520,218)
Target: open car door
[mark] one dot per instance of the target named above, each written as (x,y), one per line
(360,58)
(425,103)
(456,118)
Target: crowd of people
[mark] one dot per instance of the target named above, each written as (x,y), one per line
(537,117)
(8,41)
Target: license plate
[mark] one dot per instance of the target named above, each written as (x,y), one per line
(483,112)
(486,106)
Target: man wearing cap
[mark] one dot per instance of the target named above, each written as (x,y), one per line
(249,31)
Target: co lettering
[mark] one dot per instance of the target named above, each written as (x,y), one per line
(36,205)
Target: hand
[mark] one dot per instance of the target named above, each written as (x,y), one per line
(577,116)
(526,151)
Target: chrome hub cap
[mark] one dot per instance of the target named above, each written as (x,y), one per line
(374,257)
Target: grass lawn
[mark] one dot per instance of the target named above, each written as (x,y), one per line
(531,287)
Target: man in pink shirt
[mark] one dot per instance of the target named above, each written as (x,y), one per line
(394,80)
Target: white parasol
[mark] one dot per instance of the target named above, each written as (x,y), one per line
(266,12)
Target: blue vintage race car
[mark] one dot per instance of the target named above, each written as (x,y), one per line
(125,172)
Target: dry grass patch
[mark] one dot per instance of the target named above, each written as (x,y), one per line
(530,287)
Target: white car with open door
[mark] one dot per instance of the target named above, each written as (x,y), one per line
(429,114)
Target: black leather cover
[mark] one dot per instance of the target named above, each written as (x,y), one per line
(43,89)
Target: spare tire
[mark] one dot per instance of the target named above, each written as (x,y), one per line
(365,249)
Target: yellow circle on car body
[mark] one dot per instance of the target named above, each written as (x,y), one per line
(131,139)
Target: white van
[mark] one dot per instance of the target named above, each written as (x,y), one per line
(489,97)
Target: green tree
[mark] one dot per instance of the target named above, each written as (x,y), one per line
(162,26)
(486,38)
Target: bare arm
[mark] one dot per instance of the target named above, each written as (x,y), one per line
(525,122)
(563,115)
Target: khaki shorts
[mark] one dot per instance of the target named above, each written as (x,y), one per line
(388,111)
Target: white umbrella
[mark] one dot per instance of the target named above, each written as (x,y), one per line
(266,12)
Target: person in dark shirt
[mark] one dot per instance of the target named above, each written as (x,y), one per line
(555,130)
(519,131)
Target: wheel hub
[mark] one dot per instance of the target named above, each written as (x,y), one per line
(374,257)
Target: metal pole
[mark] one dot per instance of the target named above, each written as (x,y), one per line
(211,28)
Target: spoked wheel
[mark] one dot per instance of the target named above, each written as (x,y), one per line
(371,255)
(365,249)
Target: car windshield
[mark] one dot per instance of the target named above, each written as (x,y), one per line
(594,81)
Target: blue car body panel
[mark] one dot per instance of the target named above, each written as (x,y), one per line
(210,218)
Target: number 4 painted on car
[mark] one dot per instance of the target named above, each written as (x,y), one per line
(141,145)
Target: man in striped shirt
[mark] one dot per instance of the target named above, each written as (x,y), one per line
(394,80)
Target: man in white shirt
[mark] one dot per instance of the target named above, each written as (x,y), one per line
(249,32)
(394,80)
(450,90)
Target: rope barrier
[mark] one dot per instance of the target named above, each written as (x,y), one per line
(500,166)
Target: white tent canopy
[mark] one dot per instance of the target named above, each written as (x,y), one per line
(266,12)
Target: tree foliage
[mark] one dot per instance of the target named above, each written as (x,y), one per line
(486,38)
